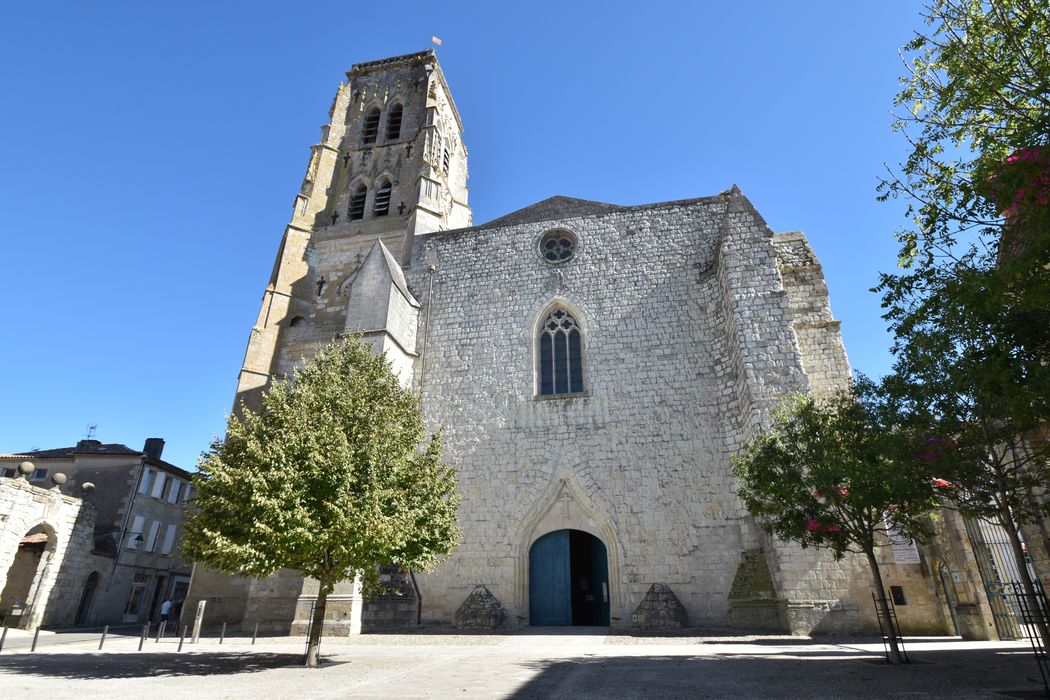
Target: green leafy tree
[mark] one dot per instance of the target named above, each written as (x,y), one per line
(836,474)
(962,375)
(977,179)
(328,479)
(970,308)
(976,115)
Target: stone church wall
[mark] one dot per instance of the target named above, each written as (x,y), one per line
(696,322)
(682,308)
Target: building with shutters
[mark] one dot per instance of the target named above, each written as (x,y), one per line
(137,500)
(593,367)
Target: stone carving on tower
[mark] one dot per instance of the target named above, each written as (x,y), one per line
(390,166)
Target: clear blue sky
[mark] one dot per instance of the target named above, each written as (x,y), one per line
(149,154)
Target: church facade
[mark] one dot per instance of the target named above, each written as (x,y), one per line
(593,367)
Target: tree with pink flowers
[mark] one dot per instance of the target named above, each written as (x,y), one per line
(838,474)
(969,306)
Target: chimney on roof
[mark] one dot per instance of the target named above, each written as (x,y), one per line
(153,447)
(87,445)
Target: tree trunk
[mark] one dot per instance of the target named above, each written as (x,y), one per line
(313,644)
(1034,606)
(895,656)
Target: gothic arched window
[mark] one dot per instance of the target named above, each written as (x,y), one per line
(560,354)
(357,202)
(381,207)
(371,128)
(393,122)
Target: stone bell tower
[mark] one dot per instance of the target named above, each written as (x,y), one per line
(390,164)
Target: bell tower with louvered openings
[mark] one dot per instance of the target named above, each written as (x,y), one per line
(391,164)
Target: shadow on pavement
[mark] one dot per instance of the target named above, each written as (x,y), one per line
(105,666)
(957,675)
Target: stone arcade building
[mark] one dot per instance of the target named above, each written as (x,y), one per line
(593,366)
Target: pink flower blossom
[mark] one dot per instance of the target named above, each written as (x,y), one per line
(814,525)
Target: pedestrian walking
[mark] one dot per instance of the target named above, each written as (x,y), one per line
(165,609)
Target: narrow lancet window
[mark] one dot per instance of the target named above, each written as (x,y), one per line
(382,202)
(560,355)
(357,202)
(393,123)
(371,128)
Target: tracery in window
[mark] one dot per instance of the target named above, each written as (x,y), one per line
(357,202)
(560,354)
(557,246)
(371,127)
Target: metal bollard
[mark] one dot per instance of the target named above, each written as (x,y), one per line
(105,631)
(255,632)
(3,636)
(222,635)
(182,637)
(160,631)
(35,636)
(142,637)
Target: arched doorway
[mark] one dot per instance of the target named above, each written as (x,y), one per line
(90,586)
(568,580)
(23,577)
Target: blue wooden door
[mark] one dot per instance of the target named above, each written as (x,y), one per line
(600,572)
(550,594)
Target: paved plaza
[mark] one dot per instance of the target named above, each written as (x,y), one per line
(537,663)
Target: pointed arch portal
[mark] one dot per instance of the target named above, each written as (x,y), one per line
(568,580)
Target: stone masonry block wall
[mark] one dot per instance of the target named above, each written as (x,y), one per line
(819,337)
(641,449)
(66,561)
(684,314)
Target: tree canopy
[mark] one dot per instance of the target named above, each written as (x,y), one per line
(837,474)
(327,479)
(976,102)
(970,308)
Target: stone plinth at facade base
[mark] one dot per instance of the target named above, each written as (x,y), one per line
(341,618)
(753,600)
(758,615)
(397,607)
(480,609)
(660,610)
(972,624)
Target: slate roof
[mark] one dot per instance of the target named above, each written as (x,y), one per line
(60,452)
(93,447)
(559,207)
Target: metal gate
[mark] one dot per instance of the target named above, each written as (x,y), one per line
(999,571)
